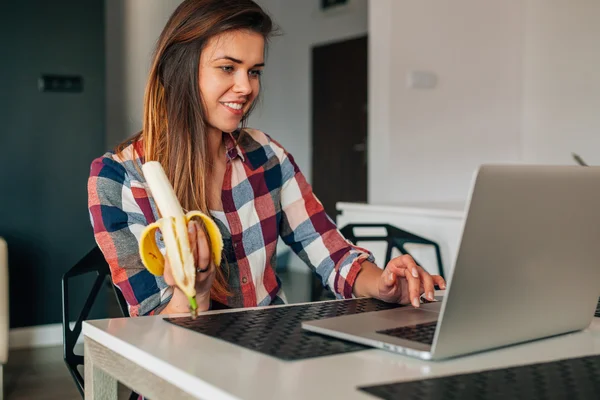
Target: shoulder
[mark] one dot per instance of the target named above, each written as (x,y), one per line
(251,140)
(119,167)
(263,151)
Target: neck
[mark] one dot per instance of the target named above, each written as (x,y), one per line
(216,147)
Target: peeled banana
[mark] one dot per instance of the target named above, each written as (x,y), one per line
(173,226)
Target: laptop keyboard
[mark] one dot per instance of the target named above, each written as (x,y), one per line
(422,333)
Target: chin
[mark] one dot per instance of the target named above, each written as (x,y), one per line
(229,129)
(225,127)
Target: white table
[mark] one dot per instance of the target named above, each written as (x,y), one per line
(163,361)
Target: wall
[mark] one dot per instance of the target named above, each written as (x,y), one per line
(561,81)
(518,82)
(425,143)
(133,27)
(47,142)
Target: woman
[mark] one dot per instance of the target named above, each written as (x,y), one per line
(203,84)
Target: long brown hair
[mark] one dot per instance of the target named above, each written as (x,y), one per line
(174,126)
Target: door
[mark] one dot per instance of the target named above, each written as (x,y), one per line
(339,118)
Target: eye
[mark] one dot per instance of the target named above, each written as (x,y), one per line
(227,68)
(255,73)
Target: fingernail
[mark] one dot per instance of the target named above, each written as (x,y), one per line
(443,286)
(430,296)
(391,277)
(416,302)
(415,273)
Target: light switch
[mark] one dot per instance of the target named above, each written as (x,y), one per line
(421,80)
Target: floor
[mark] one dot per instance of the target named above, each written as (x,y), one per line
(38,374)
(42,374)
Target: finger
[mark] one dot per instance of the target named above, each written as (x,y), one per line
(427,283)
(192,234)
(167,275)
(203,248)
(439,281)
(405,266)
(390,280)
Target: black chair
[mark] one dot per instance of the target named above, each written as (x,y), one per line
(395,238)
(93,262)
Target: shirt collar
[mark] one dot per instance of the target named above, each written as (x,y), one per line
(232,148)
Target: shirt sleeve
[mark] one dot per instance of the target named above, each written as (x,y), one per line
(312,235)
(118,221)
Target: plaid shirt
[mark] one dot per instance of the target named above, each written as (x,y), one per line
(264,195)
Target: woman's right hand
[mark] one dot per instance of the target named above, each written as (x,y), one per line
(205,272)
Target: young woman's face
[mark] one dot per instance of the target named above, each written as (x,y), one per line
(230,68)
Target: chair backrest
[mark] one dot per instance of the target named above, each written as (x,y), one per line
(92,262)
(394,237)
(4,320)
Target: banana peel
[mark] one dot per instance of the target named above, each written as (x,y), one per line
(173,227)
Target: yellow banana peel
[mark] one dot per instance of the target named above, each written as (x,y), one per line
(173,227)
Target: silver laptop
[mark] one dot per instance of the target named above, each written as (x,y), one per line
(528,267)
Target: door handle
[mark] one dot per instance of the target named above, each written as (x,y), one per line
(359,147)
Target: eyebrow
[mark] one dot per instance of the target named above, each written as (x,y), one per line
(235,60)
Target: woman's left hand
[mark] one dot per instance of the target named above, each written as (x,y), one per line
(403,281)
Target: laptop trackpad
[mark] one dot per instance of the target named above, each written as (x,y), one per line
(403,317)
(379,320)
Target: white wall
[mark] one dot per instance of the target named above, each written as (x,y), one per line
(133,27)
(562,84)
(425,143)
(518,82)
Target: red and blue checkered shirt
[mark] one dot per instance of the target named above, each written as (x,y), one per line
(264,195)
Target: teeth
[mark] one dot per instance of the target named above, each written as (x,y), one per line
(235,106)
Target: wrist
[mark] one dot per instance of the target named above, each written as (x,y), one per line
(374,282)
(203,301)
(367,280)
(178,303)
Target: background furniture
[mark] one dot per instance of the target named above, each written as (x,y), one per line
(441,223)
(395,238)
(91,263)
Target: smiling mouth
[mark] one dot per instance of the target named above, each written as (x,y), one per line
(235,108)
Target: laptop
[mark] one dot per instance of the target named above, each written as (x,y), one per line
(528,267)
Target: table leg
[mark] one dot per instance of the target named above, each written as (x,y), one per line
(98,384)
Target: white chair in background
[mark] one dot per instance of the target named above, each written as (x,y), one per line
(3,311)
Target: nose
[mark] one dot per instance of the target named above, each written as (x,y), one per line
(242,84)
